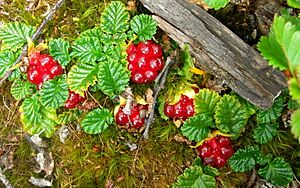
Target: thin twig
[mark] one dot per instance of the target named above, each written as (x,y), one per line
(34,37)
(160,84)
(4,180)
(252,179)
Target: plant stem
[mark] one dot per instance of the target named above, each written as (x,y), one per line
(34,37)
(160,84)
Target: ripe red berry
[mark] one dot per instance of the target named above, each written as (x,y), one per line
(133,120)
(42,67)
(216,151)
(144,61)
(73,100)
(183,109)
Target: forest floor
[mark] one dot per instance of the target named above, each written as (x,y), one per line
(105,160)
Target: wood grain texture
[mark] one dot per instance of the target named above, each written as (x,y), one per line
(218,50)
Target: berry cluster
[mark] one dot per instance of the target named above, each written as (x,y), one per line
(145,61)
(73,100)
(42,67)
(183,109)
(216,151)
(135,119)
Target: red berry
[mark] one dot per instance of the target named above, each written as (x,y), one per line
(134,119)
(34,75)
(156,50)
(74,99)
(169,110)
(156,64)
(144,61)
(121,118)
(137,78)
(42,67)
(70,104)
(150,75)
(216,153)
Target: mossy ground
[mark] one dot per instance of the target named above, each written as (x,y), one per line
(92,161)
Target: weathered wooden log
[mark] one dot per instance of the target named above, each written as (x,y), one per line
(218,50)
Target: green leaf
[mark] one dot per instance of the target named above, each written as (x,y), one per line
(293,104)
(68,116)
(244,159)
(216,4)
(20,89)
(278,172)
(144,26)
(294,89)
(115,18)
(295,123)
(14,35)
(206,101)
(81,76)
(263,159)
(95,32)
(210,171)
(193,177)
(97,121)
(294,3)
(264,132)
(250,108)
(30,110)
(37,119)
(59,49)
(87,49)
(113,77)
(7,59)
(280,48)
(54,93)
(230,116)
(273,113)
(187,62)
(197,128)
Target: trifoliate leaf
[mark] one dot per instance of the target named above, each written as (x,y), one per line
(68,116)
(294,3)
(144,26)
(115,18)
(97,121)
(87,49)
(113,39)
(211,171)
(273,113)
(113,78)
(37,119)
(81,76)
(244,159)
(280,48)
(54,93)
(278,172)
(216,4)
(59,49)
(264,132)
(20,89)
(295,123)
(14,35)
(15,74)
(7,59)
(193,177)
(294,89)
(230,116)
(206,101)
(197,128)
